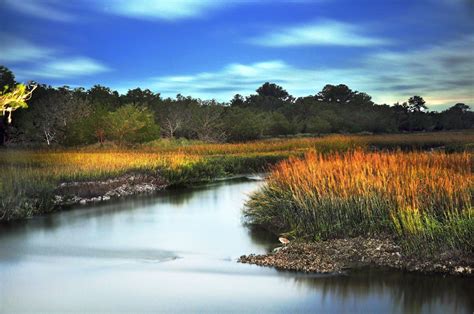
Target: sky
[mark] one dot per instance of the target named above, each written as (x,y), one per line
(390,49)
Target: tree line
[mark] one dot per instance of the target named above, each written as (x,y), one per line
(78,116)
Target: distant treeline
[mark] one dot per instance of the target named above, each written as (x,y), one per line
(76,116)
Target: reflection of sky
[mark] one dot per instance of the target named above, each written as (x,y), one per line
(176,252)
(213,49)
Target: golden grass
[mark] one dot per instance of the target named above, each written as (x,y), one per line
(414,194)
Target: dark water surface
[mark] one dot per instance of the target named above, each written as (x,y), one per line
(176,252)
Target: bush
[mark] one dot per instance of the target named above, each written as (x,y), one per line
(130,124)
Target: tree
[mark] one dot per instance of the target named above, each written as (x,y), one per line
(460,108)
(14,99)
(89,129)
(103,96)
(243,124)
(175,116)
(273,90)
(336,93)
(130,124)
(138,96)
(458,116)
(207,122)
(276,124)
(237,101)
(318,125)
(52,114)
(6,78)
(416,104)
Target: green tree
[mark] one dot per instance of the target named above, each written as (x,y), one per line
(277,124)
(6,78)
(130,124)
(89,129)
(416,104)
(273,90)
(243,124)
(317,124)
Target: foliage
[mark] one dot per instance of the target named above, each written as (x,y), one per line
(12,98)
(242,124)
(64,116)
(130,124)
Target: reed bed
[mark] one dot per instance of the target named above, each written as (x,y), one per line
(422,198)
(28,177)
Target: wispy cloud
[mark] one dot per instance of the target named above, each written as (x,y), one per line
(163,10)
(16,49)
(46,9)
(233,78)
(62,11)
(31,61)
(68,67)
(320,33)
(442,74)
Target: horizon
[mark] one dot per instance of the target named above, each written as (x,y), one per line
(215,49)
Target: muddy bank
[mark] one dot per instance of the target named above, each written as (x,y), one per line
(70,193)
(336,255)
(83,192)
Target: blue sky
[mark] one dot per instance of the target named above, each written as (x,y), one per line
(214,49)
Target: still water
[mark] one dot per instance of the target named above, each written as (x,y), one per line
(176,252)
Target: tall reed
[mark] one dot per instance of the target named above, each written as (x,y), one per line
(423,198)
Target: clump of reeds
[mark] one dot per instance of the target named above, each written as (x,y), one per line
(423,198)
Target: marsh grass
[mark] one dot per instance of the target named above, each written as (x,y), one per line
(423,198)
(28,177)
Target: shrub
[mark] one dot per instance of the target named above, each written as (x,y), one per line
(130,124)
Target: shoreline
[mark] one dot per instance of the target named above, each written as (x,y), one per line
(132,184)
(338,255)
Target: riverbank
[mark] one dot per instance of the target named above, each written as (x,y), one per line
(417,207)
(82,193)
(338,255)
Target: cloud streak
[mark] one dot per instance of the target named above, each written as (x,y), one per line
(20,50)
(69,67)
(320,33)
(45,9)
(61,11)
(161,10)
(31,61)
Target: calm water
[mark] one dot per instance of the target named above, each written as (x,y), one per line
(176,252)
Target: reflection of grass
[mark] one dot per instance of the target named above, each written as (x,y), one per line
(424,198)
(405,292)
(27,178)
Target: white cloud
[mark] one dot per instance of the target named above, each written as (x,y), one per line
(163,10)
(170,10)
(321,33)
(46,9)
(15,49)
(30,61)
(68,67)
(443,75)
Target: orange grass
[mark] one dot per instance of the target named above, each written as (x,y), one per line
(419,196)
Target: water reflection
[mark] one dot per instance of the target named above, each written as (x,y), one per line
(407,292)
(151,253)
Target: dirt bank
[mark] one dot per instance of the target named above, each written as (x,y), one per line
(336,255)
(71,193)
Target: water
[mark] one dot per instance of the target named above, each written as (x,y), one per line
(176,252)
